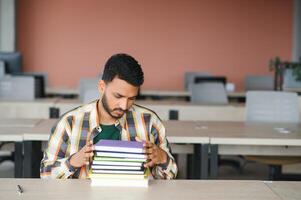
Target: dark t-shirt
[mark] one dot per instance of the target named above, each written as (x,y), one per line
(108,132)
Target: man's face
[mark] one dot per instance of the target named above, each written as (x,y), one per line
(118,96)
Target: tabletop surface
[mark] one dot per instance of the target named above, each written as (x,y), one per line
(176,189)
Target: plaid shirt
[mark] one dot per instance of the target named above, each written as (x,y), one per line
(71,132)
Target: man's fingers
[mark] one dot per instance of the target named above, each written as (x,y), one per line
(150,156)
(149,164)
(90,144)
(148,145)
(138,139)
(89,149)
(89,154)
(149,150)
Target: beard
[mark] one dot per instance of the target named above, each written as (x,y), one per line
(110,111)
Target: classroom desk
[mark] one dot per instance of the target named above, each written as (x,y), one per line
(36,109)
(14,135)
(11,130)
(36,189)
(19,122)
(178,132)
(228,138)
(239,138)
(144,93)
(286,190)
(185,110)
(32,141)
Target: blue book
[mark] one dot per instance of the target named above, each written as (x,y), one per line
(119,146)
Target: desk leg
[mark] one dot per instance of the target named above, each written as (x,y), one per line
(213,161)
(18,158)
(200,161)
(32,158)
(204,161)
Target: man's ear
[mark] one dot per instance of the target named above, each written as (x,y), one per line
(101,86)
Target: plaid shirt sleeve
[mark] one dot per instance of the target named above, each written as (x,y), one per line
(56,160)
(169,169)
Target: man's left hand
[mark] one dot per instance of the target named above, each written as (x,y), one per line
(155,155)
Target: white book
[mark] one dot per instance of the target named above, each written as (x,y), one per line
(100,171)
(98,162)
(119,182)
(116,167)
(120,159)
(120,155)
(118,176)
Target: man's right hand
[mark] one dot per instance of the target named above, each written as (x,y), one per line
(83,157)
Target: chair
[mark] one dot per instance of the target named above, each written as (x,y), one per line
(209,93)
(259,83)
(272,106)
(17,88)
(40,82)
(86,84)
(189,78)
(90,95)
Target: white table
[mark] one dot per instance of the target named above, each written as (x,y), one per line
(32,141)
(186,110)
(38,108)
(36,189)
(12,131)
(233,138)
(178,132)
(19,122)
(144,92)
(286,190)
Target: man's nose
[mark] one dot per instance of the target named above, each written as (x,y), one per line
(123,104)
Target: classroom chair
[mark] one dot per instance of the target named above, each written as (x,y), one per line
(253,82)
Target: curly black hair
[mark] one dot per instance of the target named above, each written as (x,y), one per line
(124,67)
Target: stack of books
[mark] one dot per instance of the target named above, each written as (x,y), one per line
(119,163)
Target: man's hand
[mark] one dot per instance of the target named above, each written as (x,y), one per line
(83,157)
(155,155)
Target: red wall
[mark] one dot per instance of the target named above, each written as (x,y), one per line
(70,39)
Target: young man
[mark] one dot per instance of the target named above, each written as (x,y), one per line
(114,116)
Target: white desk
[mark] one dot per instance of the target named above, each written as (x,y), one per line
(143,92)
(26,109)
(178,132)
(233,138)
(286,190)
(224,138)
(19,122)
(36,189)
(12,131)
(186,110)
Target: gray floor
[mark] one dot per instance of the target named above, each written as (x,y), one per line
(251,171)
